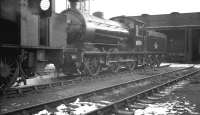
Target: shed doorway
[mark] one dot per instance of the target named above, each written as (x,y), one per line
(196,45)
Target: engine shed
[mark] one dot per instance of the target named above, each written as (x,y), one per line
(183,33)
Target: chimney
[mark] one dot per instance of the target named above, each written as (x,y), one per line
(98,14)
(175,13)
(144,15)
(73,3)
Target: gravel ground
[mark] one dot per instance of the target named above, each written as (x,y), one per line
(122,93)
(75,89)
(190,93)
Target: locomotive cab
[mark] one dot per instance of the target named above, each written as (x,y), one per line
(25,40)
(136,32)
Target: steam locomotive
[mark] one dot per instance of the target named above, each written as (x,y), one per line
(33,35)
(115,43)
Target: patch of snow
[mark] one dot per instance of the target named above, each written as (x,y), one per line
(181,65)
(76,108)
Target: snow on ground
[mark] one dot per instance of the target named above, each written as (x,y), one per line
(181,65)
(174,106)
(75,108)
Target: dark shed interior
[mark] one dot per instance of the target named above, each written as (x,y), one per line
(182,30)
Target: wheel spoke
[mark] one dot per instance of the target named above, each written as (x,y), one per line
(114,67)
(8,72)
(133,66)
(93,66)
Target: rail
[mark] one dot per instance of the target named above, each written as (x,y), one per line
(114,106)
(33,108)
(15,92)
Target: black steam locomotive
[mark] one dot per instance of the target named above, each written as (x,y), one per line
(33,35)
(112,44)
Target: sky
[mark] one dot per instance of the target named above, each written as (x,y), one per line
(112,8)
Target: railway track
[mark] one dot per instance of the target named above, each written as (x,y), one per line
(152,81)
(21,91)
(126,106)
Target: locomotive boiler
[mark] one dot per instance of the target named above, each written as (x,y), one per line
(89,29)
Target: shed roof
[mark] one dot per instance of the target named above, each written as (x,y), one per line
(174,19)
